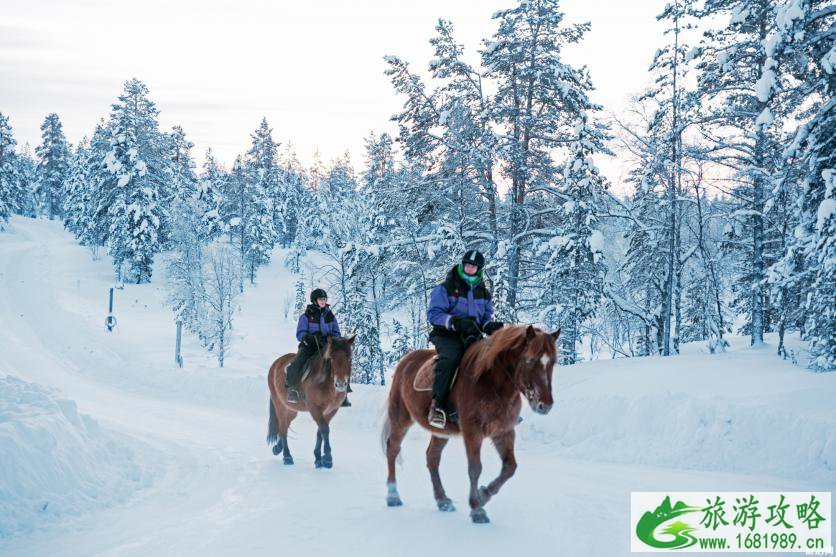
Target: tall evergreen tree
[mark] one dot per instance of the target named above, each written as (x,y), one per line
(540,100)
(574,273)
(138,173)
(10,179)
(77,189)
(741,105)
(804,48)
(210,198)
(263,169)
(53,166)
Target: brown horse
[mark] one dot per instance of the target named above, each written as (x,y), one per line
(492,375)
(322,392)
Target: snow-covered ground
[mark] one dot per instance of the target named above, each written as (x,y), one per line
(107,448)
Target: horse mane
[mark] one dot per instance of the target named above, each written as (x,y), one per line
(500,346)
(338,344)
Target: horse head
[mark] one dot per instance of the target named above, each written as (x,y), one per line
(534,368)
(338,356)
(528,355)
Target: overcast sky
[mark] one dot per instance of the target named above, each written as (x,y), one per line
(313,68)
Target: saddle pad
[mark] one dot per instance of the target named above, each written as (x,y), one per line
(423,381)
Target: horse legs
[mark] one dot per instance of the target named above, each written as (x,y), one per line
(434,450)
(318,449)
(284,416)
(504,444)
(397,424)
(327,460)
(323,433)
(473,448)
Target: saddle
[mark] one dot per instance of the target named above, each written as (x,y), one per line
(423,381)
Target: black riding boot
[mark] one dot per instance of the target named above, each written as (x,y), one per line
(450,349)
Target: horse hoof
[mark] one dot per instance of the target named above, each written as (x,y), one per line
(445,505)
(484,496)
(394,501)
(327,463)
(277,449)
(317,463)
(479,516)
(288,460)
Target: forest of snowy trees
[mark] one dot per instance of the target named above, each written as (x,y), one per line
(727,223)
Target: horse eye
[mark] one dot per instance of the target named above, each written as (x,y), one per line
(529,362)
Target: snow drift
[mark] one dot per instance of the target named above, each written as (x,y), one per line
(55,461)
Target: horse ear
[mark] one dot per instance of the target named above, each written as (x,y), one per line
(555,334)
(350,339)
(530,333)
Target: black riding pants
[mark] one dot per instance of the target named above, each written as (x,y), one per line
(450,349)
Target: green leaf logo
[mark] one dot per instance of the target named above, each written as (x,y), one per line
(681,531)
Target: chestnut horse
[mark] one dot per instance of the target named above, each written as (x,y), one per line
(322,392)
(492,375)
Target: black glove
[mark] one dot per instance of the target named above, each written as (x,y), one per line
(492,326)
(314,338)
(466,326)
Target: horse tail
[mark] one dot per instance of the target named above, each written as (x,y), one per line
(384,433)
(272,425)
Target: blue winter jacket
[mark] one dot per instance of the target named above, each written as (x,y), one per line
(317,320)
(455,298)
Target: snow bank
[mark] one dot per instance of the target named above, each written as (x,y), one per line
(55,461)
(746,412)
(679,431)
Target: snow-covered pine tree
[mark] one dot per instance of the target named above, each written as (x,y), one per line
(368,359)
(741,114)
(539,101)
(574,271)
(10,179)
(401,343)
(263,170)
(802,53)
(77,190)
(235,211)
(447,197)
(672,116)
(292,185)
(136,162)
(25,202)
(247,212)
(259,231)
(210,198)
(53,166)
(301,298)
(313,225)
(182,170)
(94,224)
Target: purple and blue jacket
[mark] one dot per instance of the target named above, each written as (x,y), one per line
(317,320)
(455,298)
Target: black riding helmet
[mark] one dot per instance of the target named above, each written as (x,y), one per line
(317,294)
(474,257)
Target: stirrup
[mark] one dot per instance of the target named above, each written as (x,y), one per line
(292,395)
(438,418)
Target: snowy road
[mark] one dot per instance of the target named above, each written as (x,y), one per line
(217,488)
